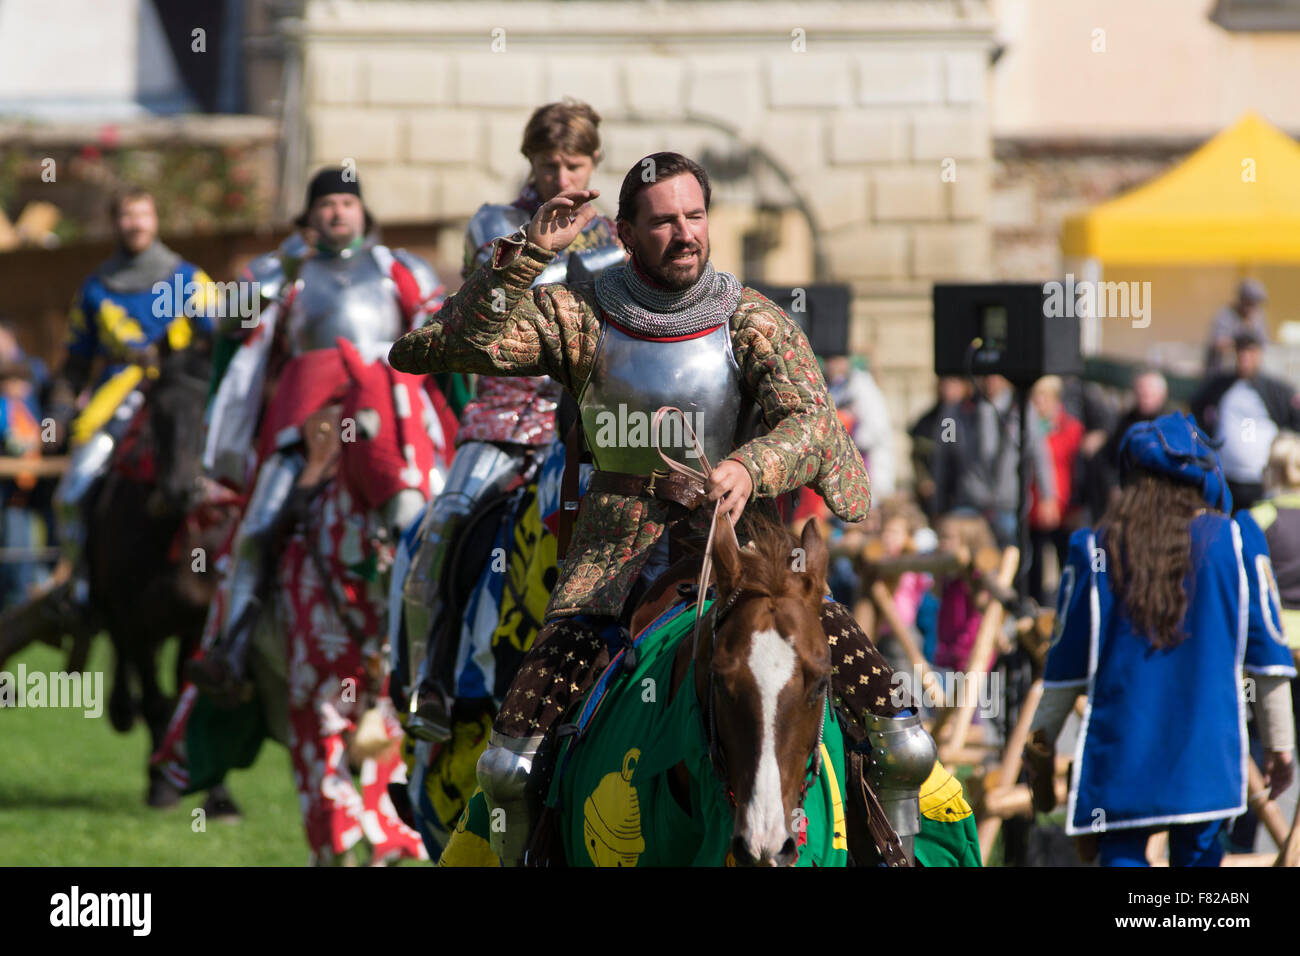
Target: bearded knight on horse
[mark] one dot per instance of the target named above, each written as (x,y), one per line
(667,330)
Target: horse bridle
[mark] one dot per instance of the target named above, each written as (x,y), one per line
(717,759)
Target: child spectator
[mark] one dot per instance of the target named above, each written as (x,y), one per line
(960,609)
(900,520)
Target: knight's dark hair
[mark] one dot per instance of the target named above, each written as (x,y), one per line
(653,169)
(1146,534)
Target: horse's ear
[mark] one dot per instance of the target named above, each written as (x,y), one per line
(726,558)
(815,557)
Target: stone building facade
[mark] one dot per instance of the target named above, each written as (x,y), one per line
(849,142)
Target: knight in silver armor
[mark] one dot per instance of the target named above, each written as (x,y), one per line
(511,421)
(348,286)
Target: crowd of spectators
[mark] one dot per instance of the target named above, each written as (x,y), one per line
(25,512)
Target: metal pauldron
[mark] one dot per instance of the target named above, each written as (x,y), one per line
(902,758)
(420,270)
(592,258)
(490,222)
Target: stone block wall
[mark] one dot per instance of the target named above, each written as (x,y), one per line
(871,119)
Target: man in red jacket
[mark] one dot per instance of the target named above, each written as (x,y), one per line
(1050,495)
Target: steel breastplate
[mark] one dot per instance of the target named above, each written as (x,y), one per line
(632,377)
(348,297)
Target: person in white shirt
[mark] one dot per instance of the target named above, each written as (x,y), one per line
(1244,410)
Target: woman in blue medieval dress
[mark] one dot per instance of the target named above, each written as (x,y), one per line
(1168,620)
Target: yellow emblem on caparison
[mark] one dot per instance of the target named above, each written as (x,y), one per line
(612,818)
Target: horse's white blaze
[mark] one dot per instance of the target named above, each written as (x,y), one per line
(772,661)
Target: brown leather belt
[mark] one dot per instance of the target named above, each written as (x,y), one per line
(662,485)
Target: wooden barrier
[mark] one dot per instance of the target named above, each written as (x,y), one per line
(911,641)
(50,467)
(1009,770)
(981,660)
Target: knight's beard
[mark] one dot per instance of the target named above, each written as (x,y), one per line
(338,236)
(676,277)
(132,243)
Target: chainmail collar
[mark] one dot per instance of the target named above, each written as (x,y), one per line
(634,303)
(125,272)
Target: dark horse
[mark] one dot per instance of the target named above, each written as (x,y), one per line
(148,555)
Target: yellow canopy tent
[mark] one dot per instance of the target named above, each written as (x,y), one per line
(1234,200)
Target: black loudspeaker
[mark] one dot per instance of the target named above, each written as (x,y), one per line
(820,309)
(1004,328)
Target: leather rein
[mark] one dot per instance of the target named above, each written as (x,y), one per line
(718,612)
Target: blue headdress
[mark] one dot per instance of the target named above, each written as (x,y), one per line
(1174,445)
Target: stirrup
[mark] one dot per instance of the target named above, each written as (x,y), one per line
(216,680)
(430,715)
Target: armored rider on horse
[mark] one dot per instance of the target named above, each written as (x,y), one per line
(664,329)
(121,315)
(348,287)
(511,422)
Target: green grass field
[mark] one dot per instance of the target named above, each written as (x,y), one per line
(72,793)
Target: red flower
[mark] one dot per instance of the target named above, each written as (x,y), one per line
(91,153)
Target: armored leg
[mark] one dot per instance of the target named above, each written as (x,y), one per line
(222,670)
(902,757)
(560,667)
(88,464)
(861,680)
(505,774)
(478,471)
(862,688)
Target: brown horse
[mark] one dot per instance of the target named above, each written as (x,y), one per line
(762,674)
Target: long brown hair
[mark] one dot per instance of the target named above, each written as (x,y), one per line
(1146,534)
